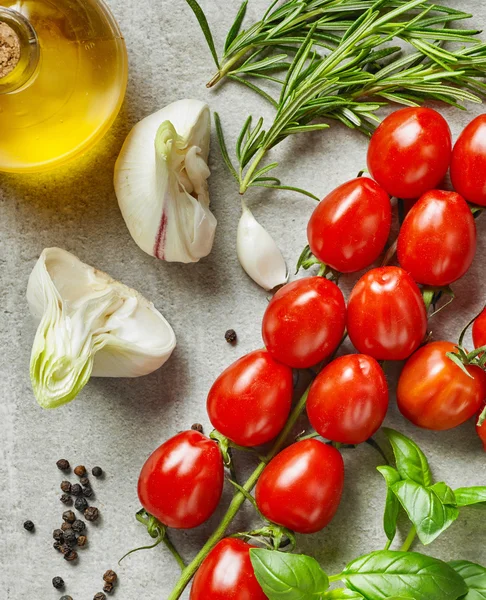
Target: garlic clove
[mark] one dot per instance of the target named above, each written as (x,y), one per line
(89,325)
(258,253)
(161,183)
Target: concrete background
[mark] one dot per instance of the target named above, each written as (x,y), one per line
(117,423)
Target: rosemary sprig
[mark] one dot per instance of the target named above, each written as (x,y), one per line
(351,82)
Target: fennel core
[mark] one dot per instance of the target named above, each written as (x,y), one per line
(341,61)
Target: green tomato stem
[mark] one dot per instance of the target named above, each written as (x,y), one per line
(174,552)
(237,501)
(409,541)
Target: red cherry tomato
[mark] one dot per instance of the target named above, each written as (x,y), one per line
(348,400)
(437,241)
(301,487)
(434,393)
(182,481)
(410,152)
(250,401)
(227,574)
(481,430)
(304,322)
(469,162)
(479,330)
(386,314)
(349,228)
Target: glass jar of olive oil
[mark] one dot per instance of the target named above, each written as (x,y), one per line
(63,76)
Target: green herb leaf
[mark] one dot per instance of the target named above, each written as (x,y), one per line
(306,260)
(235,28)
(425,510)
(342,594)
(470,495)
(475,577)
(203,22)
(392,506)
(445,494)
(288,576)
(381,575)
(411,461)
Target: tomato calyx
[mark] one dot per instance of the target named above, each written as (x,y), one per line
(156,530)
(273,536)
(462,358)
(308,260)
(433,295)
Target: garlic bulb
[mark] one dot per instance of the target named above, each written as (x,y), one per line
(161,182)
(89,324)
(258,253)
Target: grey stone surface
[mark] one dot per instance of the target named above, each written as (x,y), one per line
(117,423)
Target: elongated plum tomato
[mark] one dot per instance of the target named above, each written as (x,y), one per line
(304,322)
(479,330)
(301,487)
(350,226)
(386,314)
(434,393)
(250,401)
(469,162)
(227,574)
(348,400)
(481,429)
(437,241)
(182,481)
(410,152)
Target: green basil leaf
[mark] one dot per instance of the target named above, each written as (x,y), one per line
(286,576)
(475,577)
(342,594)
(411,461)
(382,575)
(425,509)
(392,506)
(470,495)
(444,492)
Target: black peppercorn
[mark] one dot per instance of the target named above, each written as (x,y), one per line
(71,555)
(91,513)
(66,499)
(197,427)
(66,487)
(70,537)
(108,588)
(230,336)
(76,490)
(66,598)
(99,596)
(97,471)
(69,516)
(57,546)
(87,492)
(63,465)
(110,576)
(58,583)
(29,526)
(65,526)
(79,526)
(81,504)
(80,471)
(84,481)
(82,540)
(58,534)
(64,549)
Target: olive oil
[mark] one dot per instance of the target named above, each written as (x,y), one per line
(68,86)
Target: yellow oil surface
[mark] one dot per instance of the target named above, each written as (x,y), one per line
(76,92)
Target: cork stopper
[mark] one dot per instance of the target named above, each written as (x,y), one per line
(9,49)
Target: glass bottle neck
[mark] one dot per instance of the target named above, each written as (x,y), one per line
(29,51)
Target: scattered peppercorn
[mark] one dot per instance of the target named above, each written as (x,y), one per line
(84,481)
(197,427)
(91,513)
(108,588)
(66,499)
(69,516)
(79,526)
(97,471)
(110,576)
(88,491)
(80,471)
(81,504)
(63,465)
(58,583)
(82,540)
(57,546)
(64,549)
(58,534)
(71,555)
(70,537)
(76,490)
(29,526)
(230,336)
(66,598)
(66,487)
(100,596)
(66,526)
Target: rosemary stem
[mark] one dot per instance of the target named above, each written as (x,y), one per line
(236,503)
(252,168)
(226,66)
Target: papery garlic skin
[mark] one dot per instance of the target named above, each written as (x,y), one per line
(258,253)
(89,325)
(161,183)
